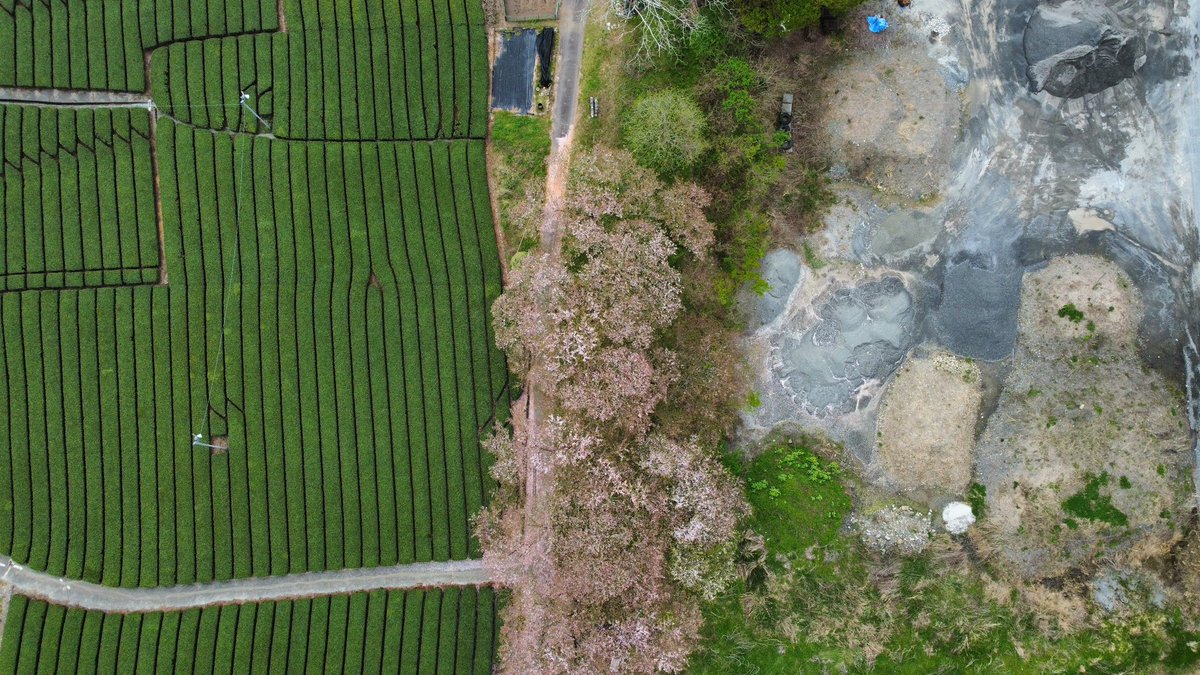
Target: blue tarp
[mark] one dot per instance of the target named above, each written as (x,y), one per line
(877,24)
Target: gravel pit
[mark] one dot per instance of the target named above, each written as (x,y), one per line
(977,316)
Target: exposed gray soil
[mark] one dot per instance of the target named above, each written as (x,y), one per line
(981,141)
(861,334)
(782,270)
(977,314)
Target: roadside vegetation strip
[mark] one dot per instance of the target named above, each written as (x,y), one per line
(520,146)
(403,82)
(326,320)
(418,631)
(76,198)
(80,44)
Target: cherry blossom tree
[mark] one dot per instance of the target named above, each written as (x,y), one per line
(638,524)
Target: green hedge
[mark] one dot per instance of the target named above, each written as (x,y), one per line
(81,44)
(326,305)
(326,311)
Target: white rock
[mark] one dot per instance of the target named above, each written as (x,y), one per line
(958,517)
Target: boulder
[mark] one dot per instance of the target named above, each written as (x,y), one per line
(1074,49)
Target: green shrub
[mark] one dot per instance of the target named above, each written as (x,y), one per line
(665,131)
(744,242)
(774,18)
(977,498)
(709,40)
(741,106)
(1070,312)
(734,74)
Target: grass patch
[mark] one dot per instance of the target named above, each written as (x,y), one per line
(819,604)
(790,484)
(1089,504)
(799,502)
(811,259)
(603,73)
(1070,312)
(520,146)
(977,498)
(523,141)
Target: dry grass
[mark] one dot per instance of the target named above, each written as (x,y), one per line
(1187,571)
(926,427)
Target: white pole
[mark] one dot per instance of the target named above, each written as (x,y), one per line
(245,103)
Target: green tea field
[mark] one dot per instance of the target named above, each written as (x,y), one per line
(246,264)
(447,631)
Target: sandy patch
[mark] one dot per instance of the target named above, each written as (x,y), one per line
(926,426)
(890,117)
(1088,220)
(1077,404)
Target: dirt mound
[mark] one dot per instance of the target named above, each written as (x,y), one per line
(890,117)
(926,427)
(1087,451)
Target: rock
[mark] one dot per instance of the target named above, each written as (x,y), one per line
(1075,49)
(958,517)
(894,530)
(1116,590)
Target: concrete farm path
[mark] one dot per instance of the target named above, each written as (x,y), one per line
(70,97)
(572,20)
(530,409)
(85,595)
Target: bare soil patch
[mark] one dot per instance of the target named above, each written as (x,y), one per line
(926,427)
(530,10)
(889,117)
(1081,412)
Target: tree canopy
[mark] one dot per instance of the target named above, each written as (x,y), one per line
(773,18)
(664,130)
